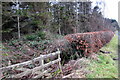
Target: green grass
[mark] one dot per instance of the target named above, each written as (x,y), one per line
(105,67)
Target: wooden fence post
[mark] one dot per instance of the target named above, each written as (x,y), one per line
(42,61)
(60,63)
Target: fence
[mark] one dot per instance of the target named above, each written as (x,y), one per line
(39,70)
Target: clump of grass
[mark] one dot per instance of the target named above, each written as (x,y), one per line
(105,67)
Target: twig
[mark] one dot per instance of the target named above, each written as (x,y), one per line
(22,69)
(42,73)
(20,75)
(68,75)
(105,52)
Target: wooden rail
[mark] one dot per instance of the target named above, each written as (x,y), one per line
(39,70)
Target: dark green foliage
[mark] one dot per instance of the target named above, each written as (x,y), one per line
(41,35)
(12,42)
(31,37)
(60,18)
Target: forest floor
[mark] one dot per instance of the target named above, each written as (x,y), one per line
(100,65)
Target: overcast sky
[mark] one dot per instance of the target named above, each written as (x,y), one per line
(110,8)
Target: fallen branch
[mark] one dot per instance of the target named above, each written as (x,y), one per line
(68,75)
(40,74)
(105,52)
(115,58)
(22,69)
(20,75)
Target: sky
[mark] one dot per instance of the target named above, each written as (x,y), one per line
(109,8)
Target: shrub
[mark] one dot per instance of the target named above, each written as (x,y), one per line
(31,37)
(82,44)
(41,35)
(89,42)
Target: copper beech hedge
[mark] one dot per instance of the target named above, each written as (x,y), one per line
(83,43)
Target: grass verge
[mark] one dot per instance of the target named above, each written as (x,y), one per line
(105,67)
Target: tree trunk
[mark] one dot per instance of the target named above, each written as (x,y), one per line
(18,20)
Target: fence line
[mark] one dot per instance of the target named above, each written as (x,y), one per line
(30,61)
(39,69)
